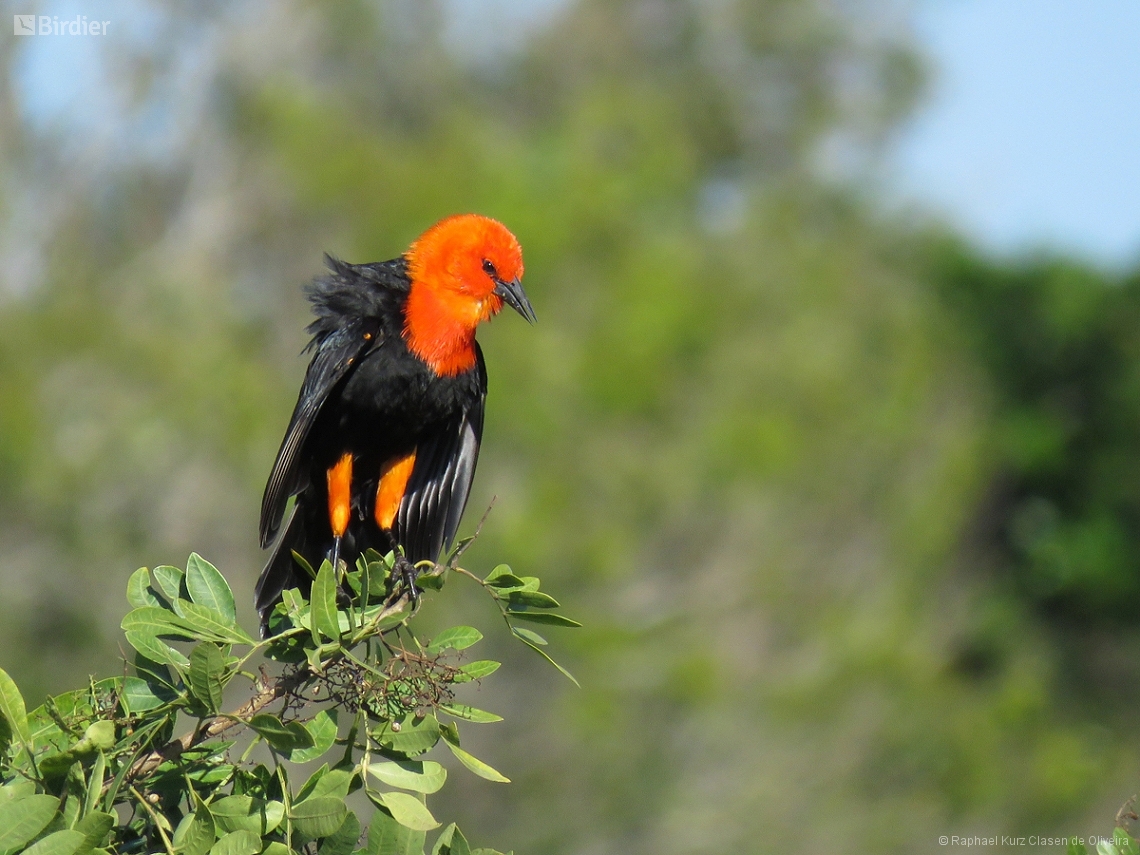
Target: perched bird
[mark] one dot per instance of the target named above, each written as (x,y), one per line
(383,442)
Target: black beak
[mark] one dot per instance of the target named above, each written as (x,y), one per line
(514,296)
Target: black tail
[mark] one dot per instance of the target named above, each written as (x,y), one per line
(282,571)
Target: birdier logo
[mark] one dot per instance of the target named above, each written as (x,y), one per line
(51,25)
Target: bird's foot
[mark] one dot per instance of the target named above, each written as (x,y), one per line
(404,575)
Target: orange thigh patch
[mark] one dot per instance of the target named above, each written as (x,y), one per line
(340,494)
(394,477)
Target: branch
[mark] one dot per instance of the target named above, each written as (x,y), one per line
(218,725)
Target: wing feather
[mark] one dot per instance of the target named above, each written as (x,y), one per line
(336,353)
(441,481)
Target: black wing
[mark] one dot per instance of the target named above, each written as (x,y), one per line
(336,353)
(441,480)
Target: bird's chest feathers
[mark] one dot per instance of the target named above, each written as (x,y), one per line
(439,327)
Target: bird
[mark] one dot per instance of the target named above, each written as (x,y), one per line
(381,449)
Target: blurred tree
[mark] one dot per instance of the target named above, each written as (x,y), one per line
(1060,342)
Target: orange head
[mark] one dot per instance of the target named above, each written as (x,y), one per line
(462,270)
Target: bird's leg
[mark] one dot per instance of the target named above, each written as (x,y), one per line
(403,571)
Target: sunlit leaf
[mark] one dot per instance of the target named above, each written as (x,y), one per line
(169,580)
(468,713)
(477,670)
(409,811)
(420,777)
(318,817)
(65,842)
(409,736)
(283,737)
(476,765)
(208,588)
(322,727)
(139,591)
(534,599)
(195,834)
(13,709)
(457,638)
(152,648)
(388,837)
(451,842)
(529,636)
(323,604)
(22,819)
(237,843)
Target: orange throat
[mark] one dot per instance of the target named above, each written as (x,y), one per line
(439,327)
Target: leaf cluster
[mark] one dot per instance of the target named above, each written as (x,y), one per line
(342,677)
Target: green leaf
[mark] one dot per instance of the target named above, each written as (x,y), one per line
(545,655)
(237,843)
(139,591)
(195,834)
(431,581)
(500,570)
(534,599)
(139,695)
(156,621)
(332,784)
(409,811)
(528,636)
(241,813)
(169,580)
(503,580)
(319,817)
(276,847)
(1124,842)
(65,842)
(99,736)
(544,617)
(388,837)
(323,600)
(208,622)
(451,842)
(283,737)
(477,670)
(470,713)
(207,675)
(95,827)
(477,766)
(1076,848)
(1105,848)
(458,638)
(13,709)
(22,819)
(322,727)
(152,648)
(343,840)
(421,777)
(95,786)
(450,732)
(409,736)
(207,587)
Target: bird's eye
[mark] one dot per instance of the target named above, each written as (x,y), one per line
(489,269)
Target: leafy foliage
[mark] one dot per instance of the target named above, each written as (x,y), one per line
(98,770)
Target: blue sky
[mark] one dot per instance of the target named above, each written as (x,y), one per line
(1030,136)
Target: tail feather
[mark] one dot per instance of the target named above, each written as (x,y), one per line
(282,571)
